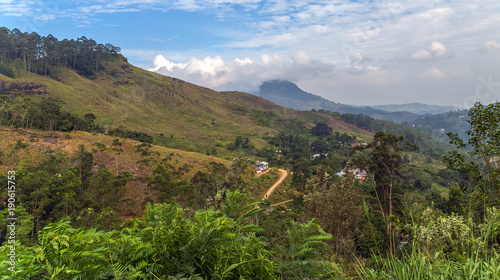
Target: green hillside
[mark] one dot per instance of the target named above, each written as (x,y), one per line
(189,116)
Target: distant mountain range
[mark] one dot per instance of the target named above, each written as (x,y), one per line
(289,95)
(417,108)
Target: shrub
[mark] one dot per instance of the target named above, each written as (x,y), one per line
(450,235)
(100,146)
(20,145)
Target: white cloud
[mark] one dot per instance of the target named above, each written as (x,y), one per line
(356,57)
(20,8)
(301,57)
(434,73)
(438,49)
(243,74)
(46,17)
(243,61)
(421,55)
(491,45)
(162,62)
(189,5)
(354,69)
(247,74)
(367,74)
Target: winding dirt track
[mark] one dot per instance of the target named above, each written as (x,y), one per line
(284,174)
(281,203)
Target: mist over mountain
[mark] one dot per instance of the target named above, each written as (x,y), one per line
(288,94)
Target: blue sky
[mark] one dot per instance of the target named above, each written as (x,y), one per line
(356,52)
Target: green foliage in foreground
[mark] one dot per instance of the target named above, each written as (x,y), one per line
(417,266)
(171,243)
(444,248)
(168,244)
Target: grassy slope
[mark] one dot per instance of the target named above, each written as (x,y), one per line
(195,116)
(42,143)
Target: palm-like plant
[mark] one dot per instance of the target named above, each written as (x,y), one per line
(210,245)
(301,255)
(65,253)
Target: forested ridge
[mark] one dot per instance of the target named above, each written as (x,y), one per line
(40,54)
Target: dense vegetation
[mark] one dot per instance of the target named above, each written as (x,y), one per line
(47,114)
(455,121)
(405,235)
(424,132)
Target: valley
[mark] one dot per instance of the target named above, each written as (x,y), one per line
(121,173)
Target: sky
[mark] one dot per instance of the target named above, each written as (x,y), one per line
(352,52)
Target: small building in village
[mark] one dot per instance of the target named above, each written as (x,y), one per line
(319,156)
(359,144)
(358,174)
(261,166)
(341,173)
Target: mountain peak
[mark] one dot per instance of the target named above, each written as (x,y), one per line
(285,89)
(288,94)
(274,84)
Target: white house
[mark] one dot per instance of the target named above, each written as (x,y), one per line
(319,156)
(358,173)
(341,174)
(261,166)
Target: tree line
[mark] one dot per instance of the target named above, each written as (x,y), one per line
(40,54)
(48,114)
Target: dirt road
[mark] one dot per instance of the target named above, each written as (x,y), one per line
(281,203)
(284,174)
